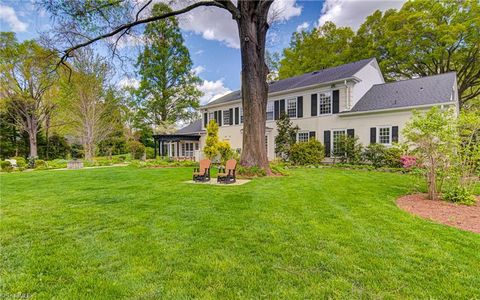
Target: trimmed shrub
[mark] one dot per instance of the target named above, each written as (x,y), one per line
(6,166)
(150,152)
(136,148)
(40,164)
(307,153)
(460,195)
(57,164)
(348,149)
(375,154)
(393,157)
(21,162)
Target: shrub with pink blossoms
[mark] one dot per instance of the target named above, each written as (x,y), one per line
(408,161)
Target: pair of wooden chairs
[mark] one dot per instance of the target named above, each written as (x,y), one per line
(225,174)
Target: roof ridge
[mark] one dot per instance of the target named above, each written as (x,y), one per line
(411,79)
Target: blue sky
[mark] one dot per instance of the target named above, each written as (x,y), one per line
(211,35)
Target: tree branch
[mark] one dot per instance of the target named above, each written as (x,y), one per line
(67,53)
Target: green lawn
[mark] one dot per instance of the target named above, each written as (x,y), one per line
(144,233)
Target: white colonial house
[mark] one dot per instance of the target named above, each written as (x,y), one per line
(351,99)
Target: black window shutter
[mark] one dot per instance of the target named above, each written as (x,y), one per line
(215,116)
(237,115)
(313,105)
(351,132)
(300,107)
(276,110)
(205,119)
(311,135)
(219,118)
(336,102)
(230,112)
(282,106)
(326,142)
(373,135)
(395,134)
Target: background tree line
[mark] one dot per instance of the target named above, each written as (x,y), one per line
(53,111)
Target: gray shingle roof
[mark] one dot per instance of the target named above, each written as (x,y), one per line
(414,92)
(192,128)
(316,77)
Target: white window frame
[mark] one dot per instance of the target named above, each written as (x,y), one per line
(270,105)
(389,136)
(241,114)
(332,142)
(288,101)
(226,121)
(303,132)
(211,116)
(319,97)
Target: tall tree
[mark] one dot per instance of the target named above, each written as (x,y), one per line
(168,86)
(78,19)
(322,47)
(91,110)
(26,76)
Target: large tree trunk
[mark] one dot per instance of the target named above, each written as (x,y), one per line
(32,136)
(31,128)
(252,27)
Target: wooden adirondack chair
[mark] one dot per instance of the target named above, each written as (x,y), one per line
(227,174)
(202,173)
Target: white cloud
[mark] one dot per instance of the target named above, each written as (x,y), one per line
(128,82)
(284,10)
(197,70)
(9,16)
(217,24)
(212,90)
(302,26)
(353,13)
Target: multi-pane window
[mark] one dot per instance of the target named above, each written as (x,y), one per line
(302,136)
(241,114)
(269,110)
(187,149)
(226,117)
(292,108)
(325,100)
(211,116)
(384,135)
(337,134)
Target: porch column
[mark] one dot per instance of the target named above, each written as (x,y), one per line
(155,146)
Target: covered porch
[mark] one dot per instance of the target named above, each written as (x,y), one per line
(177,146)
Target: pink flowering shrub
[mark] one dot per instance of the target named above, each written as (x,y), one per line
(408,161)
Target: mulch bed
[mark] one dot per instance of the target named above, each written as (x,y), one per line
(460,216)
